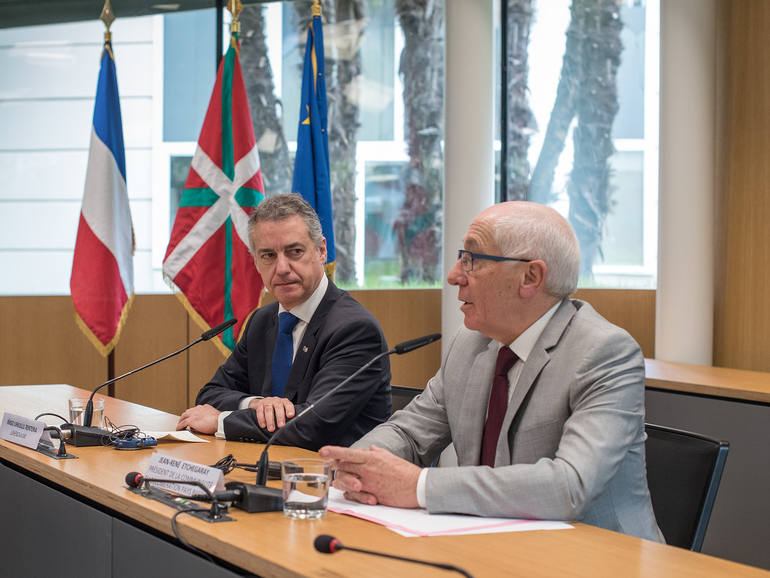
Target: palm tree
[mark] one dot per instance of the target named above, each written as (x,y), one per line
(587,91)
(422,70)
(520,121)
(265,107)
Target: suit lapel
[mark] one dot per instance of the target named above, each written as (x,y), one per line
(537,360)
(309,341)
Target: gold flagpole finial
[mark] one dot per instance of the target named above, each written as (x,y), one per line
(235,7)
(316,8)
(108,17)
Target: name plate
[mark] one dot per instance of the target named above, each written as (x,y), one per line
(23,431)
(170,468)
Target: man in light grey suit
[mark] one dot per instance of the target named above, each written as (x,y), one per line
(563,441)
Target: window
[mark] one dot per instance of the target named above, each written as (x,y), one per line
(381,170)
(581,127)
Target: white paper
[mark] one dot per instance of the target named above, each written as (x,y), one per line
(179,436)
(418,522)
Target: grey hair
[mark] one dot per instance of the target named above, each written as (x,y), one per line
(549,237)
(283,206)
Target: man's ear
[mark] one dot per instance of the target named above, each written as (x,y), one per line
(322,249)
(534,278)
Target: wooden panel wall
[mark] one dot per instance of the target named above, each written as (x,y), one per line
(404,315)
(742,309)
(204,361)
(634,311)
(155,326)
(40,343)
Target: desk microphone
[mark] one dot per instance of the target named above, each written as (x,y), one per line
(136,480)
(247,497)
(89,410)
(329,545)
(405,347)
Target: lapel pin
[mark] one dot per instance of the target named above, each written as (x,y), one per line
(304,349)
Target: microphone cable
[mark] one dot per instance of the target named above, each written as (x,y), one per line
(228,463)
(37,417)
(185,543)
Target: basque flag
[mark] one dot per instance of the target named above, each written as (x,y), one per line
(311,163)
(102,282)
(208,257)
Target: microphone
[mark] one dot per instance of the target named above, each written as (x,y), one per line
(412,344)
(93,438)
(136,480)
(247,497)
(329,545)
(404,347)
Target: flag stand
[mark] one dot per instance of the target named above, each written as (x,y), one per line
(108,17)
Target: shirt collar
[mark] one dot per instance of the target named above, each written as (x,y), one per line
(305,311)
(522,346)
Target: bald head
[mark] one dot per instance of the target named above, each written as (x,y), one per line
(534,231)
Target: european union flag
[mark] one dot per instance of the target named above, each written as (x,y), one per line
(311,164)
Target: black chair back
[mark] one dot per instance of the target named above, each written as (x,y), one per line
(402,395)
(683,473)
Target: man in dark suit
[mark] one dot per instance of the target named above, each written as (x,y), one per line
(295,350)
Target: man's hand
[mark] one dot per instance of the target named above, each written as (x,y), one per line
(202,418)
(374,476)
(272,411)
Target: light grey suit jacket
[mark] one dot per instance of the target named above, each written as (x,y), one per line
(574,448)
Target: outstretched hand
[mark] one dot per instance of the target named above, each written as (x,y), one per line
(374,476)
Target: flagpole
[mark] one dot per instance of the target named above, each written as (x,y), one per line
(235,7)
(220,23)
(108,17)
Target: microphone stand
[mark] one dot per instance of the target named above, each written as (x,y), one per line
(264,499)
(217,510)
(264,460)
(260,498)
(401,348)
(205,336)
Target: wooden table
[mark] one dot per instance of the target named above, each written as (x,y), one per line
(272,545)
(716,382)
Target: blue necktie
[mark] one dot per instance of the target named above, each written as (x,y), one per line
(283,353)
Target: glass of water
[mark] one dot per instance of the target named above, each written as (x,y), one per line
(305,487)
(77,407)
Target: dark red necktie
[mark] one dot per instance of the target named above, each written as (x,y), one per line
(498,404)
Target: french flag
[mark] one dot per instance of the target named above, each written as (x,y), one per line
(102,282)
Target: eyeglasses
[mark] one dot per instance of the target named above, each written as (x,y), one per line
(466,259)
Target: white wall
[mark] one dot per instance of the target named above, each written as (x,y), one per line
(47,90)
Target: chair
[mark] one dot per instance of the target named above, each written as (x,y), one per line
(402,395)
(683,473)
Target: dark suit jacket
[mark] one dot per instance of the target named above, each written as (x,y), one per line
(340,338)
